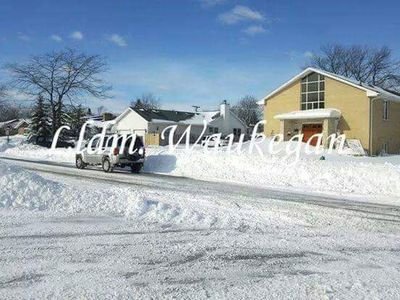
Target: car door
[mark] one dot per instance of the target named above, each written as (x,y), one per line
(92,156)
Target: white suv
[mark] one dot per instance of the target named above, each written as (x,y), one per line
(110,156)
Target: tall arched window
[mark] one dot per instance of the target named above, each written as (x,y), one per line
(313,91)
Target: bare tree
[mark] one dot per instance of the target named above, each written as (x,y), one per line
(364,64)
(60,76)
(3,95)
(146,101)
(9,111)
(248,110)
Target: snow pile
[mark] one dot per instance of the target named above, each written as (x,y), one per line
(376,176)
(21,189)
(19,148)
(336,174)
(15,141)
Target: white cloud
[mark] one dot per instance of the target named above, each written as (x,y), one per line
(308,54)
(210,3)
(199,82)
(77,35)
(240,13)
(23,37)
(254,30)
(56,38)
(117,40)
(17,96)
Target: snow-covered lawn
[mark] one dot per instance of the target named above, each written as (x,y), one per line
(66,237)
(375,177)
(73,237)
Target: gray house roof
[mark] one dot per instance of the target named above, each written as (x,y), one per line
(165,115)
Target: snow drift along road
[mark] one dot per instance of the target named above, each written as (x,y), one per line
(338,174)
(25,190)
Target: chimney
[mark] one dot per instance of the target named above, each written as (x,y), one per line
(224,109)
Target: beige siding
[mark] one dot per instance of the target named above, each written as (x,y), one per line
(351,101)
(354,105)
(285,101)
(385,131)
(152,139)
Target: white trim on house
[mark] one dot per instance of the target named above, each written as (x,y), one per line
(371,91)
(124,113)
(326,113)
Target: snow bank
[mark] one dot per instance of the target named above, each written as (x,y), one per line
(19,148)
(336,174)
(376,176)
(21,189)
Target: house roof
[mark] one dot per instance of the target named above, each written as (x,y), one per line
(14,123)
(173,116)
(211,115)
(163,115)
(371,91)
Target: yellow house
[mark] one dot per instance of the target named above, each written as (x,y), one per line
(317,101)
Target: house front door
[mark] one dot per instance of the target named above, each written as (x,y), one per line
(309,130)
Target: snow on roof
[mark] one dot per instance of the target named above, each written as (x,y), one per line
(372,91)
(100,124)
(5,123)
(310,114)
(172,116)
(210,115)
(14,123)
(196,119)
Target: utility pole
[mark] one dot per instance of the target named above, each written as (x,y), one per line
(196,108)
(8,134)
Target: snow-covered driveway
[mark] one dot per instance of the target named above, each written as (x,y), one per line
(129,236)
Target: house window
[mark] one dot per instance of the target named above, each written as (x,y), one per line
(385,110)
(237,131)
(215,129)
(210,129)
(313,91)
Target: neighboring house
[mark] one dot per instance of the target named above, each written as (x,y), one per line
(16,126)
(224,121)
(316,101)
(151,122)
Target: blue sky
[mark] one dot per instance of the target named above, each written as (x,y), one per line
(191,52)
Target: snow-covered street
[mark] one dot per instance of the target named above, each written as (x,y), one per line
(72,236)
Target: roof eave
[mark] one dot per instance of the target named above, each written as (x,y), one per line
(370,92)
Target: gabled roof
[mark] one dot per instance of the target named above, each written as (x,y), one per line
(14,123)
(161,114)
(210,116)
(371,91)
(165,116)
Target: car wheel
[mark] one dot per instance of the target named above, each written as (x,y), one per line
(79,163)
(106,165)
(135,168)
